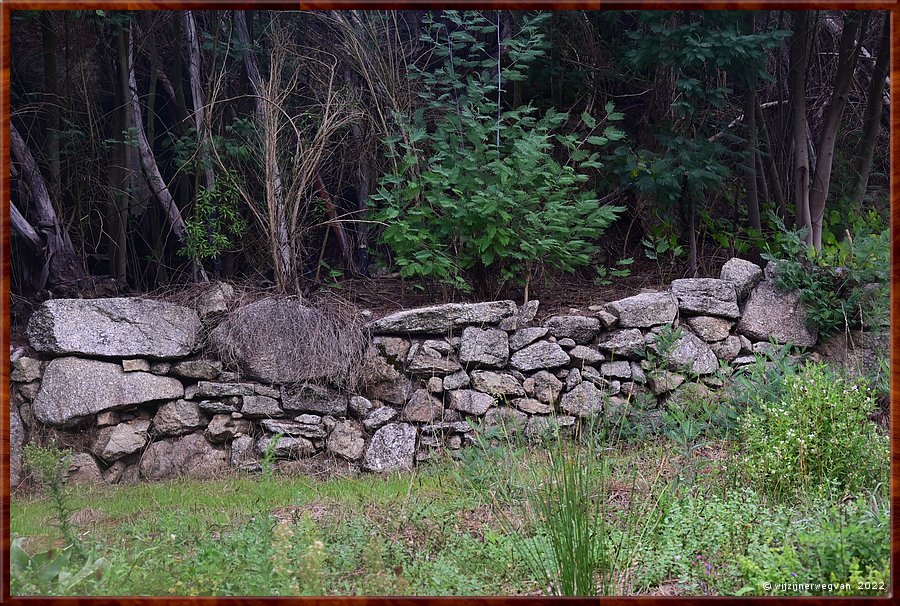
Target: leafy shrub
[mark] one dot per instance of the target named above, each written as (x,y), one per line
(845,285)
(763,380)
(476,192)
(816,438)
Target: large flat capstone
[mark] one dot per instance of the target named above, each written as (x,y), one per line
(442,318)
(644,310)
(74,389)
(121,327)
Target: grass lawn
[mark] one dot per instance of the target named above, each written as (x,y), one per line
(679,521)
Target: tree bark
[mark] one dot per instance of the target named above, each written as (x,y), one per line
(148,161)
(767,159)
(821,181)
(799,49)
(872,117)
(752,195)
(51,100)
(63,263)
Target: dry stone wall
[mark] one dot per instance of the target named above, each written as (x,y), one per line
(123,378)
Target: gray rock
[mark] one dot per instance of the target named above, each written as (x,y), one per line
(618,370)
(573,379)
(210,389)
(706,296)
(136,365)
(120,328)
(74,389)
(83,469)
(293,428)
(346,440)
(746,345)
(532,406)
(644,310)
(710,328)
(286,447)
(764,348)
(223,428)
(241,452)
(197,369)
(223,406)
(215,300)
(435,385)
(470,401)
(728,349)
(526,336)
(29,391)
(423,408)
(16,443)
(637,373)
(447,427)
(582,355)
(662,381)
(583,401)
(176,418)
(439,319)
(859,353)
(528,311)
(566,343)
(391,449)
(426,361)
(539,355)
(542,427)
(379,417)
(394,349)
(360,407)
(625,344)
(25,370)
(384,382)
(456,380)
(160,368)
(506,418)
(547,387)
(314,399)
(121,440)
(261,406)
(589,373)
(743,360)
(439,345)
(690,354)
(487,348)
(770,314)
(499,384)
(607,320)
(743,274)
(581,329)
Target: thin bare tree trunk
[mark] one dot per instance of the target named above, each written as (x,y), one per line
(752,194)
(51,100)
(821,181)
(767,159)
(872,118)
(64,264)
(148,161)
(799,46)
(279,236)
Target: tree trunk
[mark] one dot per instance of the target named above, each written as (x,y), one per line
(52,101)
(201,123)
(148,161)
(822,178)
(872,118)
(64,266)
(799,46)
(767,159)
(279,236)
(752,193)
